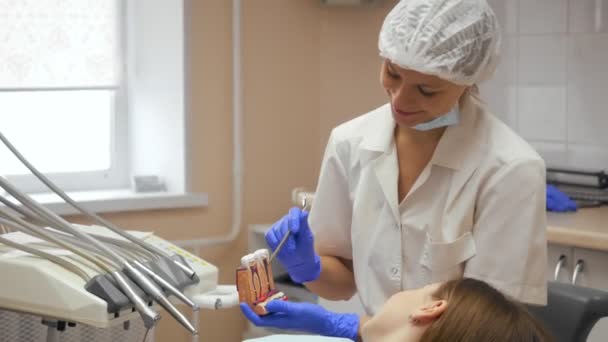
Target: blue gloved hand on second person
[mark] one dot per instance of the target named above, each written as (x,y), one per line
(306,317)
(558,201)
(298,255)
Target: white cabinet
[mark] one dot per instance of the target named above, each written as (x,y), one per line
(586,268)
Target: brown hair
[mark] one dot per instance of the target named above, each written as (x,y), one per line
(478,312)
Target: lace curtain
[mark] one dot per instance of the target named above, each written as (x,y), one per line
(58,43)
(46,45)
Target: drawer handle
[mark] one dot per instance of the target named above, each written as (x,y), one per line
(558,267)
(580,266)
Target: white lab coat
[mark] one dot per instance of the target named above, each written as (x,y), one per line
(477,209)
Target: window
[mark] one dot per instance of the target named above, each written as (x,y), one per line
(63,93)
(93,94)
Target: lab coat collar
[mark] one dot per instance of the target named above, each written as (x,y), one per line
(460,149)
(454,149)
(381,131)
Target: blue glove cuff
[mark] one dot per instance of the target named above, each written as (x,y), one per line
(305,273)
(344,325)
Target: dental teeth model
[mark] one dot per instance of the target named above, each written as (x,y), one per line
(255,283)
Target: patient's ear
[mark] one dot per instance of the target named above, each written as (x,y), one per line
(428,313)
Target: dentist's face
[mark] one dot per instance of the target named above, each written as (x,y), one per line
(415,97)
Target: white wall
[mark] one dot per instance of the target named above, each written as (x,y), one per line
(551,86)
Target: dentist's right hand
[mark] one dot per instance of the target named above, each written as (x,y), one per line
(298,254)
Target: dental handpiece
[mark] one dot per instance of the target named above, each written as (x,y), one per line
(96,218)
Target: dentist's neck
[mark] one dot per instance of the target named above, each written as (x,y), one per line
(411,136)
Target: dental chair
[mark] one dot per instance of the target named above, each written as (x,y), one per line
(571,311)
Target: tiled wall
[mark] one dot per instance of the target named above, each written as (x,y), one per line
(552,84)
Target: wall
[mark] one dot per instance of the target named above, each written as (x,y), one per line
(305,69)
(551,87)
(209,40)
(350,64)
(308,68)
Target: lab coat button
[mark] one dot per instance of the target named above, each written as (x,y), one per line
(395,270)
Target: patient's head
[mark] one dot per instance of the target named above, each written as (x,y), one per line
(463,310)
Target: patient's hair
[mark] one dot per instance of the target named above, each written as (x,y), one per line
(478,312)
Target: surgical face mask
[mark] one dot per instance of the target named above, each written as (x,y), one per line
(449,119)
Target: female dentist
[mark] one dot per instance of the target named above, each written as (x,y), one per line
(426,188)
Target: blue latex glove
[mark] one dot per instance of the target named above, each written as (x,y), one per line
(558,201)
(306,317)
(298,255)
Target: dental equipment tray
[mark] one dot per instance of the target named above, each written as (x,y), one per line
(596,179)
(578,193)
(104,286)
(36,286)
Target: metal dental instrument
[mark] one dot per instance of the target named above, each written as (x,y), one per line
(160,280)
(28,228)
(305,206)
(37,220)
(167,286)
(149,316)
(57,222)
(85,246)
(149,287)
(26,213)
(184,267)
(128,249)
(42,254)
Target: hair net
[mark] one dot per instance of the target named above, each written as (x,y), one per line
(456,40)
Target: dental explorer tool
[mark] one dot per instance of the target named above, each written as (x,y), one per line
(305,206)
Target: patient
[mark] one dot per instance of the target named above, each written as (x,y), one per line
(459,310)
(463,310)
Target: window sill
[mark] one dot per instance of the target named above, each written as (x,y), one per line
(106,201)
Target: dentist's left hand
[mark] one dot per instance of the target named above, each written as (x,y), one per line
(307,317)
